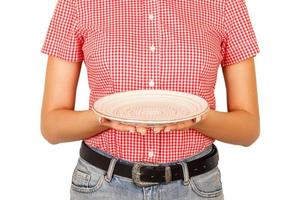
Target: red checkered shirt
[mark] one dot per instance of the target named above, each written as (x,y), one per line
(154,44)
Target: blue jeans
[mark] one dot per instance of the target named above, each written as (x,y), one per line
(92,183)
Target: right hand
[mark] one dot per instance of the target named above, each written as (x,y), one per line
(121,127)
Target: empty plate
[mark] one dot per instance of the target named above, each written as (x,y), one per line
(151,107)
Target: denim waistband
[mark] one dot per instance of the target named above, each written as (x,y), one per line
(195,156)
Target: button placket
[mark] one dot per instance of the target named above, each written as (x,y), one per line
(158,46)
(154,45)
(153,50)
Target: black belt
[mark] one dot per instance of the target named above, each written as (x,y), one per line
(145,174)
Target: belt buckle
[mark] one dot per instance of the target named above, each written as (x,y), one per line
(136,172)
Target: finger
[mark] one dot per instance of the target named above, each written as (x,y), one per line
(114,123)
(189,124)
(204,116)
(184,125)
(141,130)
(128,128)
(117,125)
(198,119)
(157,129)
(104,121)
(170,128)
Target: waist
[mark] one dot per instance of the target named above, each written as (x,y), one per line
(152,147)
(147,174)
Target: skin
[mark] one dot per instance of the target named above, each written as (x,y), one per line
(61,123)
(241,124)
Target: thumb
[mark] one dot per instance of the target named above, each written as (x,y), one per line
(198,119)
(102,120)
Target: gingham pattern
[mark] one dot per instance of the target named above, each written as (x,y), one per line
(153,44)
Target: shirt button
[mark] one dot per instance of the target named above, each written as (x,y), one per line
(150,154)
(151,16)
(152,48)
(151,83)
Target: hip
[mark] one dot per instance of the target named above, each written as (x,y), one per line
(89,182)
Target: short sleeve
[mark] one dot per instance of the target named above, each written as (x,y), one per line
(63,39)
(239,41)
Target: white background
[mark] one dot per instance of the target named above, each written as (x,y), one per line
(31,168)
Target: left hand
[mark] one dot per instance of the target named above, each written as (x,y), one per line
(185,125)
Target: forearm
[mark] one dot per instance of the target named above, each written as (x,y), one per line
(235,127)
(64,125)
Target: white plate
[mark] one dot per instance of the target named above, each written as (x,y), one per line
(150,107)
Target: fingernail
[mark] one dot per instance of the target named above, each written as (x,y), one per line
(143,132)
(131,131)
(167,130)
(156,130)
(198,119)
(100,119)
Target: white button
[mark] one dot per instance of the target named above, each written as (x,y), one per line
(151,16)
(152,48)
(150,154)
(151,83)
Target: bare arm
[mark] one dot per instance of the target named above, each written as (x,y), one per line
(241,124)
(59,121)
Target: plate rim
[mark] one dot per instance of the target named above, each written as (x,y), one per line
(120,119)
(148,121)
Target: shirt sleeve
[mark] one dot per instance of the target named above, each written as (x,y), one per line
(239,41)
(62,38)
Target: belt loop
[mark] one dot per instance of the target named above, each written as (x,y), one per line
(110,169)
(168,174)
(185,170)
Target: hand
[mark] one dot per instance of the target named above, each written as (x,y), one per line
(121,127)
(185,125)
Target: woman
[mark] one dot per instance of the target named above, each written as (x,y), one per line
(131,45)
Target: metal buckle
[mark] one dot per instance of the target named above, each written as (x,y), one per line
(136,172)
